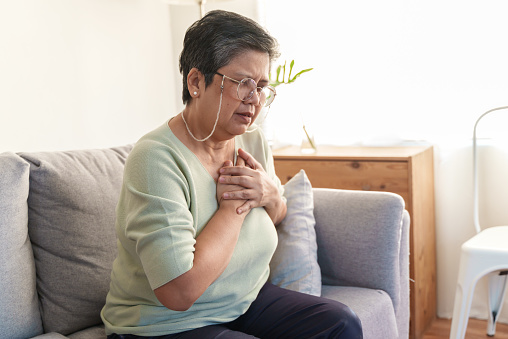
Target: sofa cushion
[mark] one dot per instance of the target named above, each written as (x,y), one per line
(72,201)
(294,264)
(373,307)
(90,333)
(51,335)
(17,270)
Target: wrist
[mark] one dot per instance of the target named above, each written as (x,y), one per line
(277,210)
(230,206)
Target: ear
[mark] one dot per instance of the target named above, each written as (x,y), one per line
(195,82)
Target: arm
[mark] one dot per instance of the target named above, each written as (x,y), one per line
(213,250)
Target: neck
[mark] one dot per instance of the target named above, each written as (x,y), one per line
(192,134)
(212,153)
(210,144)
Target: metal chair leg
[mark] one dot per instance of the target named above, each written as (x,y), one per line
(497,290)
(466,284)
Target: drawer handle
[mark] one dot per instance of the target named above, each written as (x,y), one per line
(355,164)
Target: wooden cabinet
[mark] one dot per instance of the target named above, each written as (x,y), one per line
(407,171)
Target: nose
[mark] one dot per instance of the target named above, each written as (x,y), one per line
(255,99)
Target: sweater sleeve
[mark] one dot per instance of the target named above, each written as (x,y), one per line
(156,206)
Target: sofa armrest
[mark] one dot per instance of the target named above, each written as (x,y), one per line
(362,241)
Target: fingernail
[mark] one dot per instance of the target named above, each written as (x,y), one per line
(222,170)
(239,211)
(226,195)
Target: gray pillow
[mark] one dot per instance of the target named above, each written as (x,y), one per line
(72,201)
(21,318)
(294,264)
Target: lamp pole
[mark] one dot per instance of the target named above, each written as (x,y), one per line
(202,7)
(475,171)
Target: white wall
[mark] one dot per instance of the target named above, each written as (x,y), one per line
(389,71)
(91,73)
(83,73)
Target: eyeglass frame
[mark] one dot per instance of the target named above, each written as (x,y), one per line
(271,88)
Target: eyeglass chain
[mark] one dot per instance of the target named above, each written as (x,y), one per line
(216,120)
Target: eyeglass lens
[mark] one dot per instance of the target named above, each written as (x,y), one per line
(247,87)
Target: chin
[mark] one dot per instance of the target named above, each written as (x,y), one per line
(241,130)
(252,127)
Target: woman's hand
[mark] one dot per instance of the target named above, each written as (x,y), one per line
(253,186)
(222,188)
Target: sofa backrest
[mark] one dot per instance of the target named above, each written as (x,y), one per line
(19,306)
(71,216)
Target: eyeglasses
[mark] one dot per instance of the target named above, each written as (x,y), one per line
(247,87)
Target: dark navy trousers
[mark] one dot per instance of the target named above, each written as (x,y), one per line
(280,313)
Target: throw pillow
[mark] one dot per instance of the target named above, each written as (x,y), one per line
(71,223)
(294,264)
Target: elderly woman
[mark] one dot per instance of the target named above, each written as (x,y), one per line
(200,198)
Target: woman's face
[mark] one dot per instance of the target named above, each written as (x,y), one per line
(236,116)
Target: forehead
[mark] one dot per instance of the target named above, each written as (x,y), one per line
(253,64)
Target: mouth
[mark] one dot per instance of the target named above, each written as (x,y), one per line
(245,116)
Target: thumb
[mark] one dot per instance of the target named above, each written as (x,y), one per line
(249,159)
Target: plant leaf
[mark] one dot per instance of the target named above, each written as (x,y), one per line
(291,69)
(281,79)
(284,72)
(300,73)
(275,82)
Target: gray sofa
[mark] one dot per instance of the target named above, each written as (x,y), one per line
(58,242)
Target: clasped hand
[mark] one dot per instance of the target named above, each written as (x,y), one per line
(247,182)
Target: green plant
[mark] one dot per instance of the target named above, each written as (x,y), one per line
(279,81)
(282,68)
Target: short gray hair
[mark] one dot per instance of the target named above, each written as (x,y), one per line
(216,39)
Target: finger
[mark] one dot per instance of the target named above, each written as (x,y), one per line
(246,207)
(240,161)
(242,194)
(227,163)
(240,180)
(249,159)
(236,171)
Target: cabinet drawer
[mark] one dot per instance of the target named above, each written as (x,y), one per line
(390,176)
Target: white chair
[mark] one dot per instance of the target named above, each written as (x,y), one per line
(485,254)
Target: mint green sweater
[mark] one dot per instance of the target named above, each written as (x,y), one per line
(167,198)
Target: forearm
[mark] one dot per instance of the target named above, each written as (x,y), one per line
(216,243)
(213,251)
